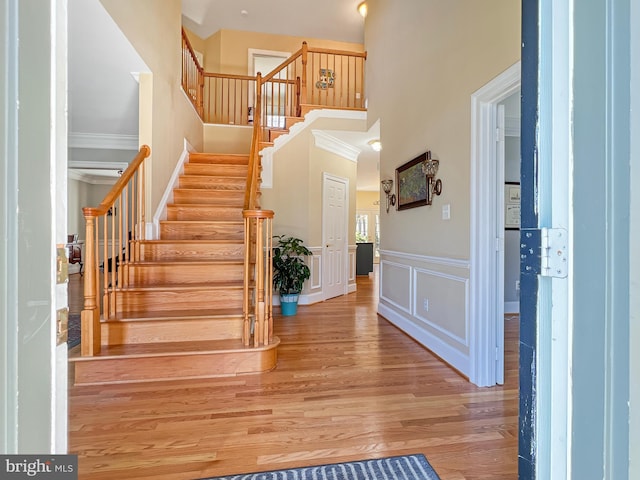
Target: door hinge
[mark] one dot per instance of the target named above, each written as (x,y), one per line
(554,252)
(544,252)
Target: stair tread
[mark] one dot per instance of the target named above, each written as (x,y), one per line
(221,158)
(200,177)
(188,241)
(170,315)
(170,348)
(185,287)
(231,222)
(190,262)
(208,190)
(215,206)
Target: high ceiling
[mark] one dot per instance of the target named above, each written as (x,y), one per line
(328,19)
(102,86)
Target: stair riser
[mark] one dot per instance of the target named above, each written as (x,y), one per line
(228,158)
(209,197)
(215,170)
(147,275)
(185,330)
(164,252)
(137,301)
(201,231)
(273,134)
(213,183)
(102,371)
(186,212)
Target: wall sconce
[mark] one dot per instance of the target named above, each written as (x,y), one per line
(387,185)
(362,9)
(430,169)
(375,145)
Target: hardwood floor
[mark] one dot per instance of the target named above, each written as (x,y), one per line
(348,386)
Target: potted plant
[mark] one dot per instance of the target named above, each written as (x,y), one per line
(289,271)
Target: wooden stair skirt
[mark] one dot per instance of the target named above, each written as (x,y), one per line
(175,360)
(180,315)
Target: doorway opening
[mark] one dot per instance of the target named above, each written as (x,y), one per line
(487,229)
(265,61)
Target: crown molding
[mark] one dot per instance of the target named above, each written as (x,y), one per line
(90,179)
(103,141)
(333,145)
(97,165)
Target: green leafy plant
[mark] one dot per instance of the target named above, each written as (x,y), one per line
(289,269)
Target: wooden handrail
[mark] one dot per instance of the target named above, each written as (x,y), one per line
(126,202)
(283,65)
(329,51)
(118,187)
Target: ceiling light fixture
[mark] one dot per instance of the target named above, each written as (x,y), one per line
(376,145)
(362,9)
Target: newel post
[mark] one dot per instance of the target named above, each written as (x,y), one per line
(90,316)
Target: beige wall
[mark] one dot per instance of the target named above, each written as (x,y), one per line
(296,194)
(157,40)
(420,79)
(227,138)
(367,200)
(197,43)
(228,49)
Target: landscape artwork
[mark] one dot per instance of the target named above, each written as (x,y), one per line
(411,182)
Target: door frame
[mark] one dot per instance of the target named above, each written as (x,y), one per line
(484,278)
(345,273)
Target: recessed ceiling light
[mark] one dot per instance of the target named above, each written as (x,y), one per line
(244,13)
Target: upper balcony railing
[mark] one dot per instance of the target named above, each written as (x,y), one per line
(311,76)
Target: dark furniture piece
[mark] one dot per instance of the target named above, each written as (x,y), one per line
(74,247)
(364,258)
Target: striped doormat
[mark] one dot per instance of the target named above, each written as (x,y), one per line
(406,467)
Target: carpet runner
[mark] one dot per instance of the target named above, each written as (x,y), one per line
(406,467)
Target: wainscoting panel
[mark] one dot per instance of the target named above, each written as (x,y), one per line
(352,269)
(315,265)
(428,298)
(442,302)
(395,284)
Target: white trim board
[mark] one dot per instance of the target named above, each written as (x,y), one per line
(103,141)
(449,354)
(483,308)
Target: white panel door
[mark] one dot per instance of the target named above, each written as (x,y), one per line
(334,234)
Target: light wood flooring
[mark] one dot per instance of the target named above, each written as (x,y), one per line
(348,386)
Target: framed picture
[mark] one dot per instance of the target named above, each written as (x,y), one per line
(512,206)
(411,183)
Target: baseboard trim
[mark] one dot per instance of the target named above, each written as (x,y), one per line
(453,357)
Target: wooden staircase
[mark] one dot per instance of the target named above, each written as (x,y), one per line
(180,313)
